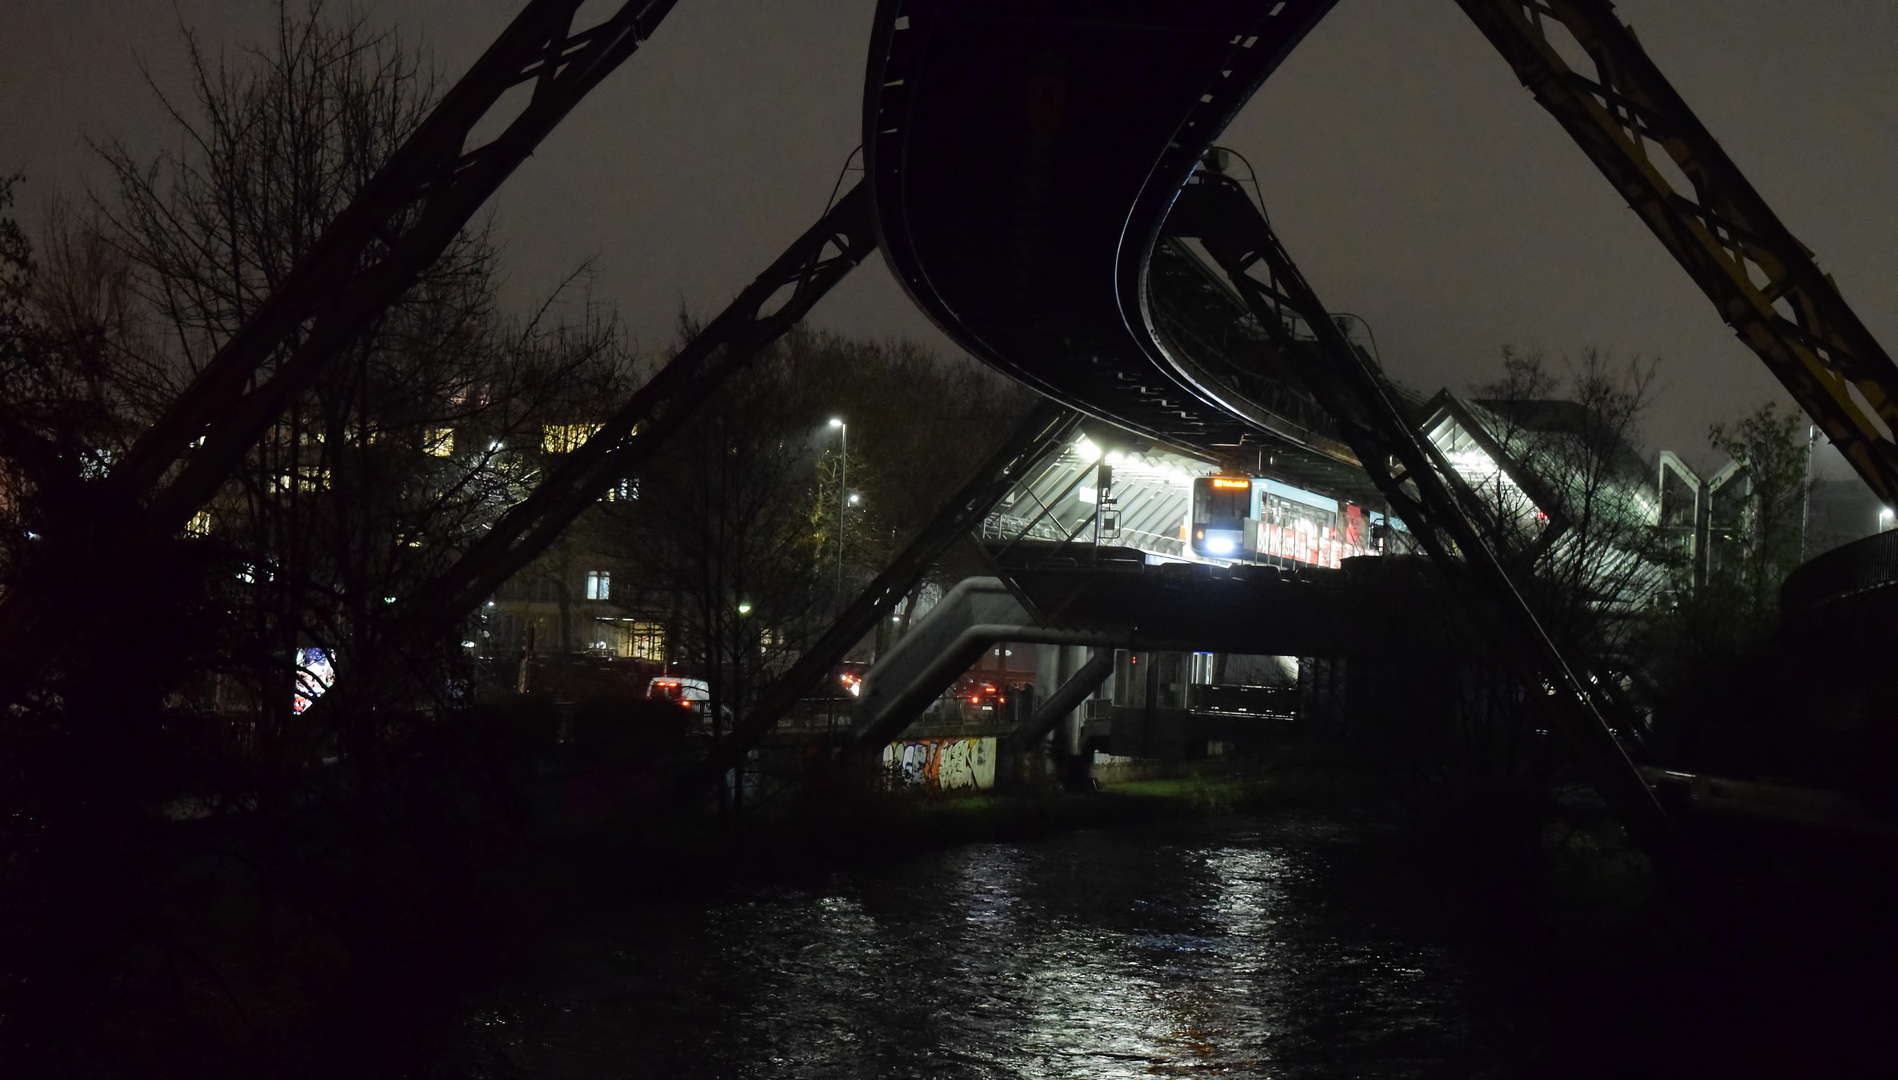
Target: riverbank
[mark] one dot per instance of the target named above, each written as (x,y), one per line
(1573,965)
(845,822)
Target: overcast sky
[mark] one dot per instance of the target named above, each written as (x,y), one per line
(1414,180)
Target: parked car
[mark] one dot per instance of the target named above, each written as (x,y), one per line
(692,694)
(687,692)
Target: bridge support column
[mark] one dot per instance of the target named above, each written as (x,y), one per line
(1055,665)
(1041,433)
(1025,740)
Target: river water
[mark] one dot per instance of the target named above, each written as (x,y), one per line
(1285,948)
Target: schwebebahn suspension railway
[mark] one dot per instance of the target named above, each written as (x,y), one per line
(1033,175)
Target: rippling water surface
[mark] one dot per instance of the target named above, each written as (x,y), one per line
(1276,949)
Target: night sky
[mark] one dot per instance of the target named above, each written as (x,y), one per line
(1415,181)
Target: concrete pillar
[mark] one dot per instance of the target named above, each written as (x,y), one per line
(1068,734)
(1054,666)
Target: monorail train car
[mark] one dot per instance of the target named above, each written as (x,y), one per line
(1222,525)
(1245,519)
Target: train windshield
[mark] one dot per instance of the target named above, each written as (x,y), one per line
(1221,500)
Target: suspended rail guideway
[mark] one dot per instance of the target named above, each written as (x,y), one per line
(1035,179)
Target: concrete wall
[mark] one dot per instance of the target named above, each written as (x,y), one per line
(941,764)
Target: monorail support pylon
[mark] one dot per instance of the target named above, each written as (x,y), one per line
(762,313)
(1642,136)
(1412,476)
(390,232)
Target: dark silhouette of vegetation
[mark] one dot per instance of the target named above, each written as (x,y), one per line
(737,523)
(187,858)
(1713,637)
(1550,457)
(197,877)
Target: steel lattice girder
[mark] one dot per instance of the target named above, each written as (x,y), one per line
(1045,431)
(1633,125)
(1424,491)
(814,263)
(398,224)
(395,227)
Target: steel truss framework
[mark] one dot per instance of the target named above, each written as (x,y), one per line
(762,313)
(1044,433)
(1642,136)
(401,222)
(393,229)
(1423,490)
(1764,283)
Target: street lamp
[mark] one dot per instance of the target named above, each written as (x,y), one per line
(843,478)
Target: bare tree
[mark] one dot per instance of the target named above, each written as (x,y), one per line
(1592,557)
(719,523)
(919,423)
(1551,454)
(1761,543)
(406,449)
(736,524)
(375,478)
(1713,627)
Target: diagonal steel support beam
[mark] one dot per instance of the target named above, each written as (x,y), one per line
(1045,431)
(761,314)
(809,268)
(394,228)
(376,248)
(1639,132)
(1237,236)
(1046,510)
(1069,695)
(957,657)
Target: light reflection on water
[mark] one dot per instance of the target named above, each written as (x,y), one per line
(1228,949)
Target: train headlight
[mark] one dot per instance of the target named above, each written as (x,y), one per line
(1220,545)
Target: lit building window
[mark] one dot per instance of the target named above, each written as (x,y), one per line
(306,478)
(599,585)
(565,438)
(634,639)
(647,641)
(438,441)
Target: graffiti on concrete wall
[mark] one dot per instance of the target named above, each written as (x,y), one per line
(942,764)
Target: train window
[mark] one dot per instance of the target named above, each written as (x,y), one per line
(1220,498)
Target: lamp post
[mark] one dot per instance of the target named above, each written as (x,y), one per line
(843,477)
(1805,487)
